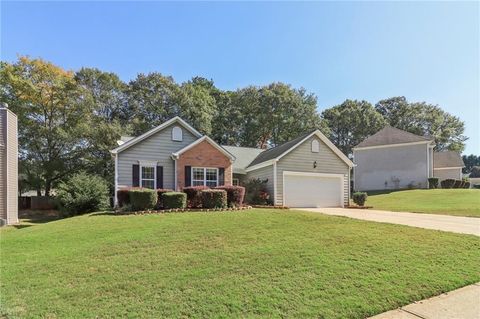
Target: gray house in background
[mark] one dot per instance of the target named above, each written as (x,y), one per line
(8,167)
(395,159)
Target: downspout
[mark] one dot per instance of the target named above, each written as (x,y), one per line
(115,201)
(176,178)
(275,182)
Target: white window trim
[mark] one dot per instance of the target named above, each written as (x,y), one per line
(204,175)
(149,179)
(315,146)
(177,138)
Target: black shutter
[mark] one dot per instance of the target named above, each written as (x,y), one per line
(188,176)
(159,176)
(135,175)
(221,176)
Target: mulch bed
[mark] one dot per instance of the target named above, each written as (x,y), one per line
(271,206)
(358,207)
(182,210)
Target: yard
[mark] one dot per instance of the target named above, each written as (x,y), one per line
(456,202)
(257,263)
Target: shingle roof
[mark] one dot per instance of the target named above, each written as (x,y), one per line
(278,150)
(243,155)
(391,135)
(447,159)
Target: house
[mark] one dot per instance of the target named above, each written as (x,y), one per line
(8,167)
(396,159)
(308,171)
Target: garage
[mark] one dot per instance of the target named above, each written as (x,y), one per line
(313,189)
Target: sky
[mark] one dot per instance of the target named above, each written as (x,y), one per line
(425,51)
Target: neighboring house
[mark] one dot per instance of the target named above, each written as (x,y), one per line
(395,159)
(8,167)
(308,171)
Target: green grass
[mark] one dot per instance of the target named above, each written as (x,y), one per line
(257,263)
(456,202)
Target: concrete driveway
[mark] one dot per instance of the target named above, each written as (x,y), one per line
(463,225)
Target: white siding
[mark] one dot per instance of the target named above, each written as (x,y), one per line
(301,159)
(379,168)
(156,148)
(8,167)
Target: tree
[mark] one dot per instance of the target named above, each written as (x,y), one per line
(153,99)
(475,172)
(351,122)
(106,95)
(470,161)
(54,121)
(424,119)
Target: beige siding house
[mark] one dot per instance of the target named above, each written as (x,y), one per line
(308,171)
(395,159)
(8,167)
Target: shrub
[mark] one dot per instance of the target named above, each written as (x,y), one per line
(214,198)
(433,182)
(174,200)
(457,183)
(123,196)
(194,195)
(476,186)
(160,192)
(475,171)
(142,198)
(360,198)
(82,193)
(447,183)
(235,195)
(256,192)
(466,185)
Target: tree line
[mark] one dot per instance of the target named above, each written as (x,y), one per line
(69,120)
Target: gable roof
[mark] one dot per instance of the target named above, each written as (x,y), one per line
(154,130)
(276,153)
(200,140)
(243,155)
(447,159)
(391,135)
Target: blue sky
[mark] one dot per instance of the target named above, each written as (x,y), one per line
(426,51)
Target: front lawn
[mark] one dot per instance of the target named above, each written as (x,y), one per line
(457,202)
(257,263)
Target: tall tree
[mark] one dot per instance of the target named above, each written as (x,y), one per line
(424,119)
(153,99)
(351,122)
(54,120)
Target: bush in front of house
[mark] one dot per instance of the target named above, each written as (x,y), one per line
(360,198)
(458,183)
(475,172)
(123,197)
(142,198)
(194,195)
(82,193)
(214,198)
(466,184)
(433,182)
(256,192)
(160,192)
(447,183)
(172,200)
(235,195)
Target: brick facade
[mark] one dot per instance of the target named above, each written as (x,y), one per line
(203,155)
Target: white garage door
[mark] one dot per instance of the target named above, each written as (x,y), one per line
(313,190)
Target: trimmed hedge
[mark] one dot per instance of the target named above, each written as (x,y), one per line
(457,184)
(194,195)
(433,182)
(466,184)
(214,198)
(123,197)
(160,192)
(235,195)
(143,198)
(174,200)
(447,183)
(360,198)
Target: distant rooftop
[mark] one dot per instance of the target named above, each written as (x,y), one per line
(447,159)
(391,135)
(243,155)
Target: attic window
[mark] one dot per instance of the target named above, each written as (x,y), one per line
(177,134)
(315,146)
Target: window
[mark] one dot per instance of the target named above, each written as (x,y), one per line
(148,177)
(315,146)
(177,134)
(236,182)
(202,176)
